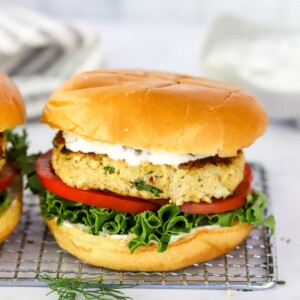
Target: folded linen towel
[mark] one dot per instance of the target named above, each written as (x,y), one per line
(40,52)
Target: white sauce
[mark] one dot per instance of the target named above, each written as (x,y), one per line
(175,238)
(268,61)
(132,156)
(128,237)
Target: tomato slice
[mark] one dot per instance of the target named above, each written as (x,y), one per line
(109,200)
(222,205)
(8,174)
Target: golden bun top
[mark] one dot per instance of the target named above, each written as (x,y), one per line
(12,108)
(157,111)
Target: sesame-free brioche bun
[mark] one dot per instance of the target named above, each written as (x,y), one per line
(104,251)
(12,108)
(9,219)
(157,111)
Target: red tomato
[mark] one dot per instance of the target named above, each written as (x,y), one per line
(91,197)
(8,174)
(221,205)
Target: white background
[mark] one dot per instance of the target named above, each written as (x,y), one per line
(280,12)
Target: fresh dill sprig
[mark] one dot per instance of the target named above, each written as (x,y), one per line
(89,288)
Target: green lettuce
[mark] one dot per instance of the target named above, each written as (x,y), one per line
(4,201)
(151,226)
(17,148)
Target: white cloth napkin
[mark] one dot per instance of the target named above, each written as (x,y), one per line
(40,52)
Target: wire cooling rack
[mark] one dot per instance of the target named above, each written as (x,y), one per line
(31,251)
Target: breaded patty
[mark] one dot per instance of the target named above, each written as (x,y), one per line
(2,149)
(197,181)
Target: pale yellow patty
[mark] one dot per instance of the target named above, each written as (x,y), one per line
(197,181)
(2,150)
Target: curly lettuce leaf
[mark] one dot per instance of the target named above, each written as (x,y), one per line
(17,148)
(150,226)
(4,201)
(256,205)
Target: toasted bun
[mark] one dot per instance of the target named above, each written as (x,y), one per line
(11,216)
(107,252)
(157,111)
(12,109)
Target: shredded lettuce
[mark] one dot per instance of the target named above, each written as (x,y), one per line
(4,201)
(151,226)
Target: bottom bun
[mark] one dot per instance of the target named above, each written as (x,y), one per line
(113,253)
(11,216)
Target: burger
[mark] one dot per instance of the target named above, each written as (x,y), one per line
(147,171)
(12,113)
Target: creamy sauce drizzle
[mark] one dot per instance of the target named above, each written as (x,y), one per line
(132,156)
(128,237)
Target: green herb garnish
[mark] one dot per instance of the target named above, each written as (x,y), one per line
(140,185)
(89,288)
(109,170)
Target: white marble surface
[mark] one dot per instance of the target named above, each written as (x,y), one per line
(176,49)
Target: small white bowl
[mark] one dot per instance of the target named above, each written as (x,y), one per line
(263,60)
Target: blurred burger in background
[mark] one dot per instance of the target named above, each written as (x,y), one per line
(147,171)
(12,113)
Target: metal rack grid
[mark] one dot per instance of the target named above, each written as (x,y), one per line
(31,251)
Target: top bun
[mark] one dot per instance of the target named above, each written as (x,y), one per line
(157,111)
(12,109)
